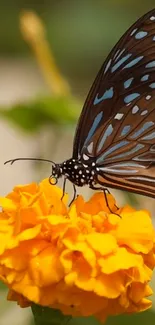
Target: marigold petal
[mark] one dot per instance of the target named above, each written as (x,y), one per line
(52,272)
(66,260)
(121,260)
(30,292)
(102,243)
(5,237)
(7,204)
(29,189)
(139,290)
(144,305)
(13,277)
(140,237)
(84,249)
(98,203)
(127,210)
(14,296)
(53,196)
(87,283)
(29,233)
(72,236)
(110,286)
(71,278)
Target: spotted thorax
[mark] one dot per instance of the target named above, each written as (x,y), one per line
(78,173)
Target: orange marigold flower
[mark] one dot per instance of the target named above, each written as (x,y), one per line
(82,260)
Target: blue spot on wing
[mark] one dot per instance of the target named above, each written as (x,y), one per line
(131,97)
(108,132)
(107,95)
(140,35)
(150,136)
(128,82)
(117,169)
(125,130)
(127,153)
(150,64)
(95,124)
(120,62)
(133,62)
(152,85)
(144,127)
(145,77)
(112,149)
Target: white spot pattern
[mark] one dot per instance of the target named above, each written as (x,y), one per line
(118,116)
(107,66)
(135,109)
(148,97)
(85,157)
(90,147)
(133,32)
(144,112)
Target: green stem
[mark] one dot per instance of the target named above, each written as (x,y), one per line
(49,316)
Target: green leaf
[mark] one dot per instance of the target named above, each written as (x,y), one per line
(60,110)
(26,118)
(33,115)
(49,316)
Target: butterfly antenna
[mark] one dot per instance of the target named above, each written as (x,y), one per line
(11,161)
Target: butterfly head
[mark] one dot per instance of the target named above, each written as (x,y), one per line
(57,172)
(67,169)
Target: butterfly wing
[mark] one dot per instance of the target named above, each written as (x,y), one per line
(128,162)
(126,75)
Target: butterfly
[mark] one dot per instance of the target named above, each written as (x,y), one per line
(114,144)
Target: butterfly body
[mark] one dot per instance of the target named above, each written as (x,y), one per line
(77,172)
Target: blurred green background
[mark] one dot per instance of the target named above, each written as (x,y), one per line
(32,121)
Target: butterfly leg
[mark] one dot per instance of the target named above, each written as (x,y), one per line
(74,195)
(63,189)
(105,191)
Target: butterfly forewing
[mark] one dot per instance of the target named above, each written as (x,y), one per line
(127,74)
(116,129)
